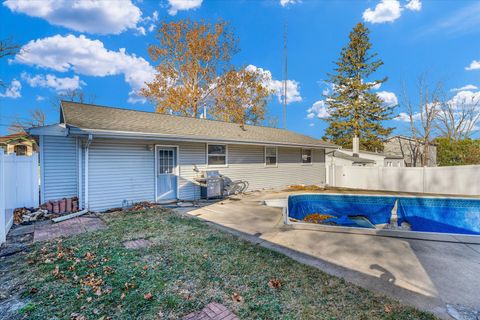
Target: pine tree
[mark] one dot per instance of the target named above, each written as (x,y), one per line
(354,109)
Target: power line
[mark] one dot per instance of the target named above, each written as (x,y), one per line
(285,75)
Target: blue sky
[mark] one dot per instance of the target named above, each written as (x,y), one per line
(101,48)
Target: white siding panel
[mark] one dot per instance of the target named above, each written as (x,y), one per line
(118,171)
(192,156)
(60,167)
(124,170)
(246,163)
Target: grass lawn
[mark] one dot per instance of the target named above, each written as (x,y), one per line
(93,276)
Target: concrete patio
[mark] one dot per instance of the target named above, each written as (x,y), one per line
(440,277)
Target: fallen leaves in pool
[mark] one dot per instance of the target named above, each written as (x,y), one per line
(304,188)
(317,217)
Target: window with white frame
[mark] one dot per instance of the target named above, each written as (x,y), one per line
(306,156)
(217,154)
(271,156)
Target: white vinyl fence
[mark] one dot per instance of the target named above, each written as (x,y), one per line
(19,187)
(457,180)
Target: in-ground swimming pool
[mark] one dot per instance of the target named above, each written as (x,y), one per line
(425,214)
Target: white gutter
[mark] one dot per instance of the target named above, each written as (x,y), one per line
(155,136)
(87,148)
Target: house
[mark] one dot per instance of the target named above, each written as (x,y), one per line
(19,143)
(357,157)
(365,158)
(109,156)
(339,158)
(411,150)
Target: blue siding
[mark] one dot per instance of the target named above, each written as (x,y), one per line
(60,164)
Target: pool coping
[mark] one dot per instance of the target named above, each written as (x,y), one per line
(417,235)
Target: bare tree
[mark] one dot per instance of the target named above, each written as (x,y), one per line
(7,48)
(422,115)
(75,95)
(458,118)
(37,119)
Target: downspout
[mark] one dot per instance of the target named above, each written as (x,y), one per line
(86,207)
(87,148)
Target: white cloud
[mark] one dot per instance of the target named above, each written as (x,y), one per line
(376,86)
(293,87)
(178,5)
(467,87)
(466,97)
(86,57)
(319,109)
(40,98)
(385,11)
(150,21)
(13,90)
(464,20)
(389,98)
(141,30)
(475,65)
(403,116)
(53,82)
(94,16)
(414,5)
(285,3)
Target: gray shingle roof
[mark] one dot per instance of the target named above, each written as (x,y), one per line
(94,117)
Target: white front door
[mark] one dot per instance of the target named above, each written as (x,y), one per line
(166,171)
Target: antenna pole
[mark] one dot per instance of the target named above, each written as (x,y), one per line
(285,76)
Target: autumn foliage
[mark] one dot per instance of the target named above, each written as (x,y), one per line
(194,72)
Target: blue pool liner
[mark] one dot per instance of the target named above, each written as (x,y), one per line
(426,214)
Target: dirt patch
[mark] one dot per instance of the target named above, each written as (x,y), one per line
(137,244)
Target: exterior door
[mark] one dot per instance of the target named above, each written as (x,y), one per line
(166,173)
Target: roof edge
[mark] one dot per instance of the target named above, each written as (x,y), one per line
(173,137)
(58,129)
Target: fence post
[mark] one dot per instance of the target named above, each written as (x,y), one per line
(3,217)
(36,181)
(424,181)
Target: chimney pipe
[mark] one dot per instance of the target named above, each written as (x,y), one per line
(356,146)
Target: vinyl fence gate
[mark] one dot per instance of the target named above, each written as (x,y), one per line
(19,187)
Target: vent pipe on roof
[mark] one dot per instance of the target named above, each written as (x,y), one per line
(356,146)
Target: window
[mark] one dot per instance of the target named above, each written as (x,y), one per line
(166,161)
(20,150)
(271,156)
(217,155)
(307,156)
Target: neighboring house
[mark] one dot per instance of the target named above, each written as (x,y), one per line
(346,157)
(411,150)
(108,156)
(340,158)
(19,143)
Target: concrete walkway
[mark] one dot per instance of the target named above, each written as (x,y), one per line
(427,274)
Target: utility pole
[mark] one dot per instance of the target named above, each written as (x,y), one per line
(285,76)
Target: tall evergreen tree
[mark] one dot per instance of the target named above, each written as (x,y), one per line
(354,109)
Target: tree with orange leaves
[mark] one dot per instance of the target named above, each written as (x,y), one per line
(194,73)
